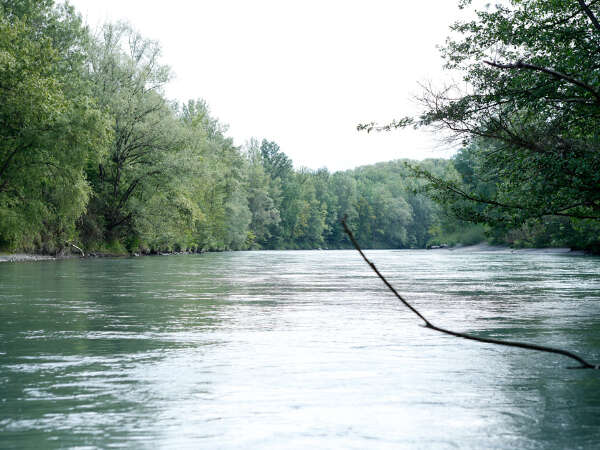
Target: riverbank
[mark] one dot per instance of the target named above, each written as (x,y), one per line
(484,247)
(27,257)
(24,257)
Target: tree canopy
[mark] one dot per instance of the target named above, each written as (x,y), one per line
(530,115)
(50,126)
(93,154)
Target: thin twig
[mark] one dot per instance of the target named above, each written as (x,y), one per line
(428,324)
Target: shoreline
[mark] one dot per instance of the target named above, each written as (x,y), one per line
(25,257)
(30,257)
(33,257)
(484,247)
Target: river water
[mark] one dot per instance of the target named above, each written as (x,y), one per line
(302,349)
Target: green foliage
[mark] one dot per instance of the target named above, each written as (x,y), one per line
(377,202)
(528,121)
(50,128)
(276,163)
(262,192)
(92,151)
(127,80)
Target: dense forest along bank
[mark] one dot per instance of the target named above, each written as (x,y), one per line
(284,348)
(483,247)
(97,157)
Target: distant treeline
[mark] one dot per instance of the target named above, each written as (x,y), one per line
(93,154)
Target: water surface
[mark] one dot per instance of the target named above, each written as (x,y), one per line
(298,349)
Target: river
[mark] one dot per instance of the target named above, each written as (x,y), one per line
(298,349)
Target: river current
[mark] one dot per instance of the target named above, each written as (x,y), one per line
(299,349)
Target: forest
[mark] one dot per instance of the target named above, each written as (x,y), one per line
(94,156)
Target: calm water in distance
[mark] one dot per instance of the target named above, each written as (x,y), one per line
(302,349)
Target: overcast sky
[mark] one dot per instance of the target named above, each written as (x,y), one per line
(300,73)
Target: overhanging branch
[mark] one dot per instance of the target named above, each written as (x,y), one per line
(546,70)
(590,14)
(428,324)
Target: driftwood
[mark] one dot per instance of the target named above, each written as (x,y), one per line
(73,245)
(428,324)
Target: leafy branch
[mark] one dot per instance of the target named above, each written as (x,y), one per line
(556,74)
(372,126)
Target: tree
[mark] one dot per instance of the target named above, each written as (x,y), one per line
(265,215)
(283,190)
(217,176)
(128,80)
(277,164)
(342,187)
(531,114)
(50,127)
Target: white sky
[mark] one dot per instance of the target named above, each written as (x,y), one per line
(300,73)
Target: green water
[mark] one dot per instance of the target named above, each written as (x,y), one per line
(298,350)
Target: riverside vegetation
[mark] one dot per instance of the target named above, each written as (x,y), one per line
(93,155)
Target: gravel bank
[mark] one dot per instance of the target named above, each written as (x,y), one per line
(23,257)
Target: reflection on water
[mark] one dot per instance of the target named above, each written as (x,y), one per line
(298,349)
